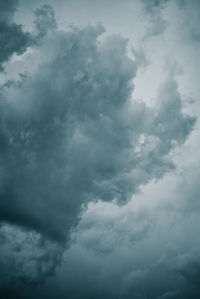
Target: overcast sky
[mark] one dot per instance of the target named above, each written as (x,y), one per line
(99,149)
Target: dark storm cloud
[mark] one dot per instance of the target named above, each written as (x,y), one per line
(70,133)
(26,259)
(12,38)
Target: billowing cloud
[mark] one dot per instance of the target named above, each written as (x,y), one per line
(72,133)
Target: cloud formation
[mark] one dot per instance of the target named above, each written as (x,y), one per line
(71,133)
(12,37)
(156,23)
(26,258)
(44,20)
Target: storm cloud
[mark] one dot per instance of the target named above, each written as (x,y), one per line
(77,149)
(71,133)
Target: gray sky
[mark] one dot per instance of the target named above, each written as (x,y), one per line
(99,149)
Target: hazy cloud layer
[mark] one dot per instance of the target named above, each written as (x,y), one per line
(156,23)
(45,21)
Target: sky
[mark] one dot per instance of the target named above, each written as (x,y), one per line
(99,149)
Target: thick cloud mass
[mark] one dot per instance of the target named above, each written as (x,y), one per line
(71,133)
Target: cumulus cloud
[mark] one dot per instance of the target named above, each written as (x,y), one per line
(71,133)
